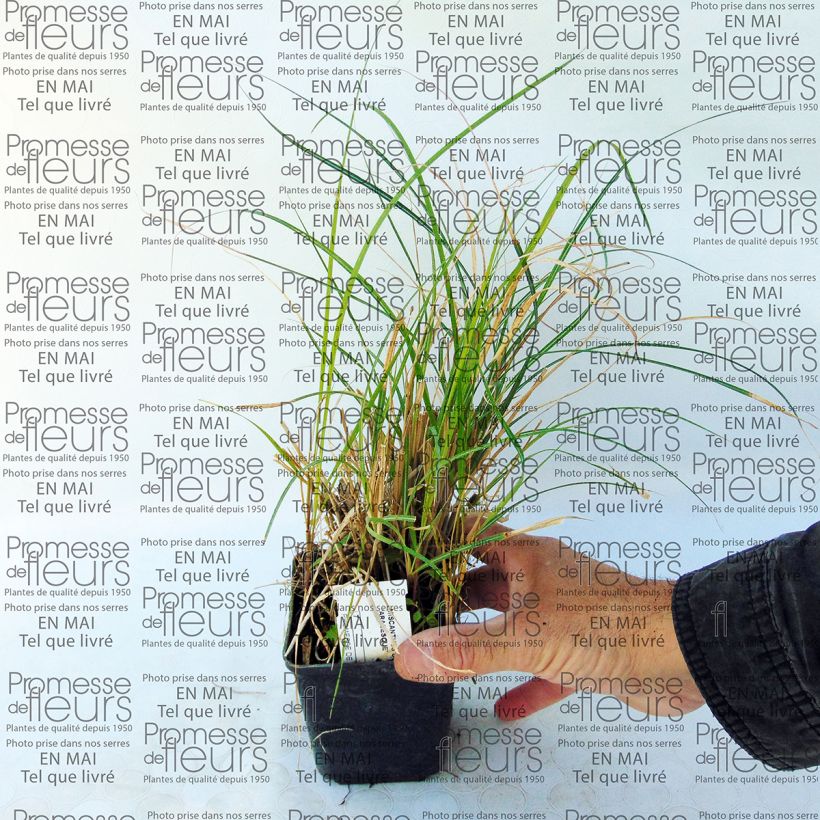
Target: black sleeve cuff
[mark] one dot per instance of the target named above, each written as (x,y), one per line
(749,629)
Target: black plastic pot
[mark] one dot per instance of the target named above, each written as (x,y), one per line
(380,728)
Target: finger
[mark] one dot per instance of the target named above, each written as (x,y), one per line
(461,651)
(475,529)
(486,587)
(528,698)
(495,543)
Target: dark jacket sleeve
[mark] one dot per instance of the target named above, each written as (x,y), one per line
(749,628)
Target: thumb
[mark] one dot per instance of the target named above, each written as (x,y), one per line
(444,655)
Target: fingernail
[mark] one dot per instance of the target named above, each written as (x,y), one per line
(400,658)
(412,662)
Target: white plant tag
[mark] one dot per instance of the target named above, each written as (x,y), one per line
(372,619)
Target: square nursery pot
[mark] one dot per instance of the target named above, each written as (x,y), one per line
(382,728)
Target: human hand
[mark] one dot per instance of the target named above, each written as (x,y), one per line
(574,623)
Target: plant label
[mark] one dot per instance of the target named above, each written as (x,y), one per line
(372,619)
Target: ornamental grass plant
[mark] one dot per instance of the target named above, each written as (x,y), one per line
(420,434)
